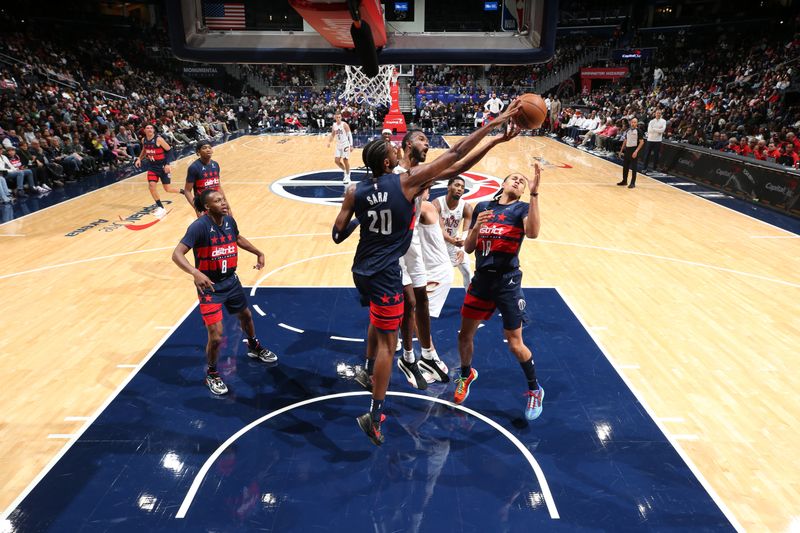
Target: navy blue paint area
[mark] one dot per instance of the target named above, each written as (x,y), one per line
(607,464)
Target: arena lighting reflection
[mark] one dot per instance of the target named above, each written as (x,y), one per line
(171,461)
(603,431)
(269,500)
(535,500)
(146,502)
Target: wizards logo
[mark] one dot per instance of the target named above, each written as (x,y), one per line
(325,187)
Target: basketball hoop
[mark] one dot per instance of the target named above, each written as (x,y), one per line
(374,91)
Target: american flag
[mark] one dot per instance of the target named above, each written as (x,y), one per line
(224,16)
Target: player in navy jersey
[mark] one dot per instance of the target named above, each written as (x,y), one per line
(496,234)
(215,240)
(155,158)
(384,207)
(201,175)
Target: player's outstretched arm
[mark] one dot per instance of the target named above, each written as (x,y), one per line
(419,177)
(533,222)
(344,224)
(244,244)
(468,162)
(201,281)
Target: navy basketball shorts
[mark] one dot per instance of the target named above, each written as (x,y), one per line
(228,292)
(383,293)
(157,173)
(494,290)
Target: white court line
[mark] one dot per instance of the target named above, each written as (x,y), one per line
(258,310)
(676,419)
(688,436)
(696,471)
(671,259)
(127,366)
(293,263)
(348,339)
(60,435)
(290,328)
(75,418)
(123,254)
(201,474)
(90,420)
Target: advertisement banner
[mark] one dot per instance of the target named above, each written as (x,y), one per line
(767,183)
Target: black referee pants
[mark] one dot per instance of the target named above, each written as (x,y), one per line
(629,162)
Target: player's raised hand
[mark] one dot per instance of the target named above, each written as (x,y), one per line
(202,282)
(511,131)
(259,262)
(533,183)
(483,218)
(511,111)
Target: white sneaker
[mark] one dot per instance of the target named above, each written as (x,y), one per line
(159,212)
(346,180)
(46,188)
(399,344)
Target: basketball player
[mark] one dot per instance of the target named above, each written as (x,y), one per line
(415,148)
(215,240)
(156,155)
(497,231)
(384,207)
(455,212)
(203,174)
(344,145)
(438,268)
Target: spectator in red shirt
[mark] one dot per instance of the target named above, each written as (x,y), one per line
(760,151)
(744,147)
(733,146)
(790,157)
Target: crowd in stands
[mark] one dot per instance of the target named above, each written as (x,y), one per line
(68,111)
(731,98)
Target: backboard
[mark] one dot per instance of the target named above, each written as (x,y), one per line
(457,32)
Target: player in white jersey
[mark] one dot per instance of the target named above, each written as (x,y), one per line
(344,145)
(455,212)
(438,268)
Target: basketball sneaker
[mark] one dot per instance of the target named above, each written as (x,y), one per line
(363,379)
(159,212)
(262,354)
(346,180)
(533,403)
(462,386)
(412,373)
(371,428)
(434,367)
(215,383)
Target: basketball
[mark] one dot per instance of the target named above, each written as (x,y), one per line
(534,111)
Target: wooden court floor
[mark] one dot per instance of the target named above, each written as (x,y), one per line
(696,305)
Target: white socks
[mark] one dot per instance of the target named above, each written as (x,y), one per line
(408,355)
(430,353)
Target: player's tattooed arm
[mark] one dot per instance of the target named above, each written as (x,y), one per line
(345,224)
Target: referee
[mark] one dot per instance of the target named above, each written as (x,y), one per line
(634,140)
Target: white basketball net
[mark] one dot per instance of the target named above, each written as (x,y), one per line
(374,91)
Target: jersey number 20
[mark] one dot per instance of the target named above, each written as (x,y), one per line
(380,221)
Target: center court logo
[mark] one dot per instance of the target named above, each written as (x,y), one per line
(325,187)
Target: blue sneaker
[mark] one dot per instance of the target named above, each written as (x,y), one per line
(533,404)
